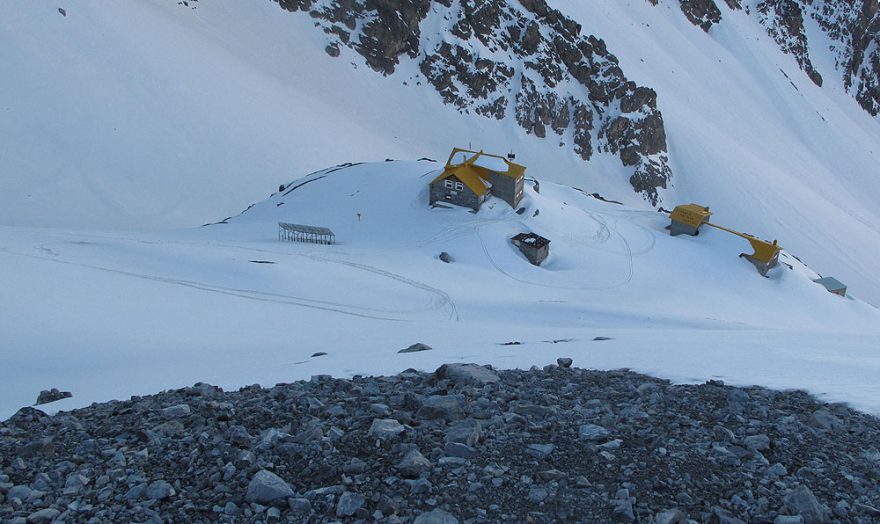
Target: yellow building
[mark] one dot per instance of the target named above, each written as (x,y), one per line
(470,177)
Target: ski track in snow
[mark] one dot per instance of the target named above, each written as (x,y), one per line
(440,299)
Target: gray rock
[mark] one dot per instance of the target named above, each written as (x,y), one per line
(420,486)
(159,490)
(788,519)
(413,464)
(826,420)
(593,432)
(266,487)
(135,492)
(177,411)
(349,503)
(540,451)
(467,374)
(622,510)
(310,432)
(51,395)
(776,470)
(269,438)
(466,432)
(437,516)
(383,410)
(551,474)
(671,516)
(231,509)
(355,466)
(39,446)
(172,428)
(385,428)
(245,459)
(457,449)
(611,445)
(324,492)
(535,410)
(564,362)
(446,257)
(299,505)
(273,515)
(43,515)
(20,492)
(537,495)
(757,442)
(870,510)
(722,516)
(802,502)
(416,348)
(448,407)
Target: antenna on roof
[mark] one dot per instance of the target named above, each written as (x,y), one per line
(470,146)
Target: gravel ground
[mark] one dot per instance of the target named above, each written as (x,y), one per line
(463,444)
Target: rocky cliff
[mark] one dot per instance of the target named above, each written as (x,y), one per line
(517,60)
(852,27)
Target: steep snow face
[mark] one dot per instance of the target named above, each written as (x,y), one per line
(843,33)
(153,114)
(109,315)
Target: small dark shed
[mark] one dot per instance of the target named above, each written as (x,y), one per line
(535,247)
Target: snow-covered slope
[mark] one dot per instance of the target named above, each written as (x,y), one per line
(155,114)
(127,117)
(108,315)
(152,114)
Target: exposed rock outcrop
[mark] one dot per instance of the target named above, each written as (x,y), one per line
(703,13)
(503,59)
(784,20)
(462,444)
(853,27)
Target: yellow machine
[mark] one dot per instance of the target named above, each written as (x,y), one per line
(688,218)
(766,255)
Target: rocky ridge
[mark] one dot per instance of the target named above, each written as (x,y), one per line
(853,28)
(519,60)
(466,444)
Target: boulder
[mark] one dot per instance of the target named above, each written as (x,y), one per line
(437,516)
(413,464)
(349,503)
(385,428)
(51,395)
(266,487)
(466,374)
(417,347)
(802,502)
(593,432)
(448,407)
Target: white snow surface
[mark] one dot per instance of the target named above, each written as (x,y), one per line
(123,122)
(109,315)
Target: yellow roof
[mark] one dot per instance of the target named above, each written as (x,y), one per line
(468,175)
(693,215)
(475,176)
